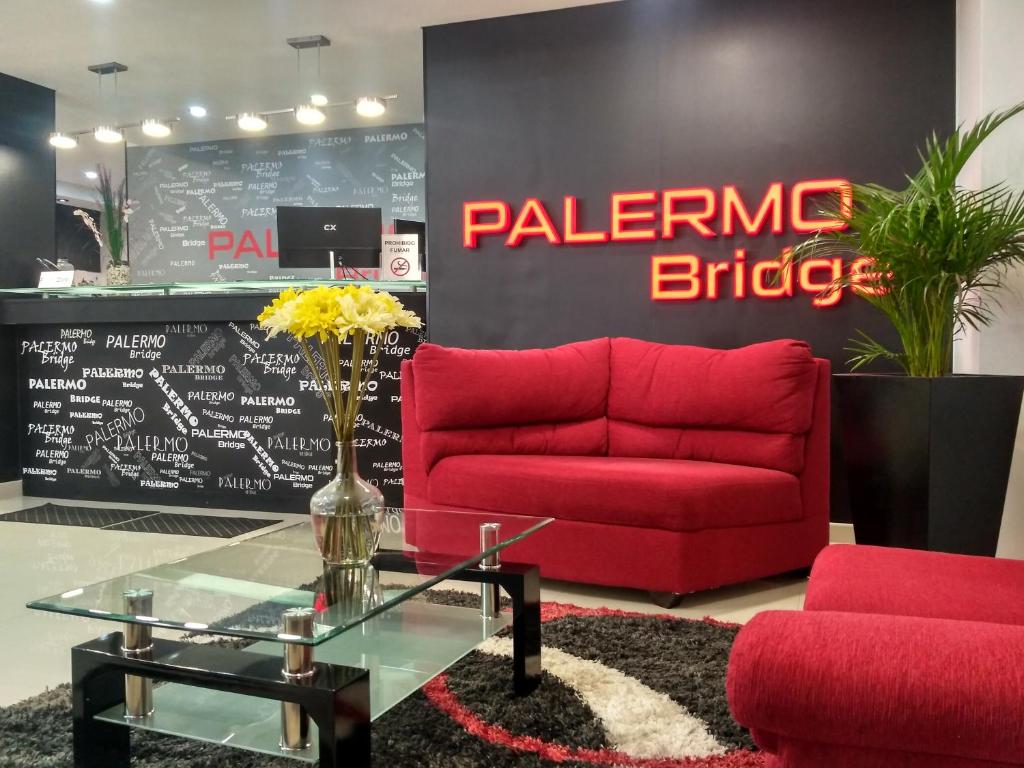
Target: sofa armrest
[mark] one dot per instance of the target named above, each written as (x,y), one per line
(934,686)
(414,475)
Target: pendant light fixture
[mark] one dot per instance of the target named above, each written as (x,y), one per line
(63,140)
(107,133)
(157,129)
(309,113)
(314,111)
(370,106)
(252,122)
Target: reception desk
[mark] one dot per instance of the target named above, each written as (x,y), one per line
(172,394)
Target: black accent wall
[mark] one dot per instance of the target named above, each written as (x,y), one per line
(27,192)
(27,180)
(654,94)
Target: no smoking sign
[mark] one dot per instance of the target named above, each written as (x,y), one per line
(400,257)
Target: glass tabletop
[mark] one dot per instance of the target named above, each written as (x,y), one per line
(228,286)
(244,588)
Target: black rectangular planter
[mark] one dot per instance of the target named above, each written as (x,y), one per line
(928,460)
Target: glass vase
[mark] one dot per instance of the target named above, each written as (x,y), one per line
(347,513)
(346,592)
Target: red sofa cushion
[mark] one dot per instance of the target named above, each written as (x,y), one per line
(899,684)
(470,388)
(578,438)
(694,392)
(671,495)
(765,387)
(780,451)
(906,582)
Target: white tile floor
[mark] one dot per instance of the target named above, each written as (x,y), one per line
(37,560)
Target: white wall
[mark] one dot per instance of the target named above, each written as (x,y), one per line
(990,43)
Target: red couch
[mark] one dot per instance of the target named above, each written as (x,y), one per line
(900,659)
(667,468)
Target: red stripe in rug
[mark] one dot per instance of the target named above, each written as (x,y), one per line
(438,693)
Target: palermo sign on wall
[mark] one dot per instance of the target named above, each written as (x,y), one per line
(641,168)
(687,214)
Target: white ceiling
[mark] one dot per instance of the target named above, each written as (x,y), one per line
(228,55)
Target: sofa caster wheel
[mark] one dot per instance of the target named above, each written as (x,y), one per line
(666,599)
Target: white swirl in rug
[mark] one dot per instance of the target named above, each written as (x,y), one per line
(638,721)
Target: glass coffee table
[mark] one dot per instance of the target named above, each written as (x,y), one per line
(376,637)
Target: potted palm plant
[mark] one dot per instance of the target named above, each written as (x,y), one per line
(927,453)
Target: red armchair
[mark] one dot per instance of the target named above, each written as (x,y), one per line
(667,468)
(901,659)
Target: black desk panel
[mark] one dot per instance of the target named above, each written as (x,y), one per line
(182,400)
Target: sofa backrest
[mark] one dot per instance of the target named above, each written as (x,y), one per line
(618,397)
(750,406)
(534,401)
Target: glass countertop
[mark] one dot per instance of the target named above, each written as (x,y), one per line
(244,588)
(186,289)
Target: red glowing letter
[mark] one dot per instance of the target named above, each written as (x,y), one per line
(805,189)
(574,235)
(533,211)
(670,217)
(864,278)
(826,294)
(712,278)
(620,216)
(739,282)
(785,283)
(219,240)
(733,208)
(473,227)
(659,276)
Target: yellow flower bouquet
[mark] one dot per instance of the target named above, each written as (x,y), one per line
(324,321)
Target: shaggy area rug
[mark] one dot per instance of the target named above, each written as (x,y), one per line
(621,690)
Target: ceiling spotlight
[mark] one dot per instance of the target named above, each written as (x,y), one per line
(107,135)
(308,114)
(91,175)
(62,199)
(370,106)
(158,129)
(197,111)
(250,121)
(318,100)
(62,140)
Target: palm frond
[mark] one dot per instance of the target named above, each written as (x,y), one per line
(940,251)
(865,350)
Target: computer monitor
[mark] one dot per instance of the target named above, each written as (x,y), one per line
(319,237)
(408,227)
